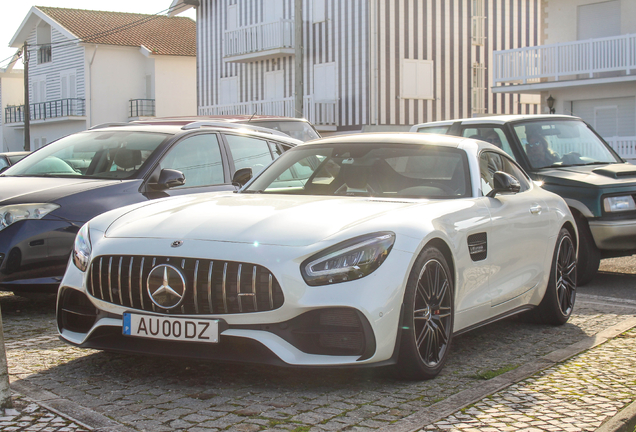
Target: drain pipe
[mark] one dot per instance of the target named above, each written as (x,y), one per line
(90,89)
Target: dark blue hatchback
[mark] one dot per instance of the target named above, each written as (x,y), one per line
(47,197)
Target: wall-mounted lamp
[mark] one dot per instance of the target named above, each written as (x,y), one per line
(550,101)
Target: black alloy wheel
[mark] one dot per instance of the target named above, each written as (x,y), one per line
(428,327)
(558,301)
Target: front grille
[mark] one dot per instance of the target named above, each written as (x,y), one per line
(212,286)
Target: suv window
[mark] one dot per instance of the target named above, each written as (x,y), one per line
(490,162)
(492,135)
(198,158)
(248,152)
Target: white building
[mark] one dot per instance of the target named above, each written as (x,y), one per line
(11,94)
(91,67)
(586,63)
(368,65)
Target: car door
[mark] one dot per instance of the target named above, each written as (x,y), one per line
(199,158)
(518,238)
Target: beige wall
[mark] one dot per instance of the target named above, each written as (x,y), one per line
(175,86)
(118,74)
(11,93)
(561,18)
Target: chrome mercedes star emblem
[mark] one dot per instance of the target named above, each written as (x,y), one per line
(166,286)
(176,243)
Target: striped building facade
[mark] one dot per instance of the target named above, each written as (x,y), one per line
(368,64)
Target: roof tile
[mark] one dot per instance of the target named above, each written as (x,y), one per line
(161,34)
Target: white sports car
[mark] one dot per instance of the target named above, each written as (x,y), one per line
(368,249)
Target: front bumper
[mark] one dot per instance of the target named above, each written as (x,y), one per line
(616,235)
(350,323)
(34,254)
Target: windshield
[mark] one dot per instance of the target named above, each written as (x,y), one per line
(378,170)
(296,129)
(562,143)
(100,154)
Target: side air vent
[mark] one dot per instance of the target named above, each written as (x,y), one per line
(478,246)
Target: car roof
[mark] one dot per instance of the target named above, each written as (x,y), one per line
(403,138)
(182,120)
(192,126)
(498,119)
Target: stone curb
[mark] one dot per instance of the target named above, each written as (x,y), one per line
(456,402)
(624,421)
(95,421)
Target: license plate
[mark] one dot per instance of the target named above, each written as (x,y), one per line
(171,328)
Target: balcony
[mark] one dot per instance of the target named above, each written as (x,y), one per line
(323,115)
(259,42)
(61,109)
(141,108)
(610,59)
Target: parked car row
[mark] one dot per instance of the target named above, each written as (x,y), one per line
(367,249)
(570,159)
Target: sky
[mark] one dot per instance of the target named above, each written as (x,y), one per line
(12,13)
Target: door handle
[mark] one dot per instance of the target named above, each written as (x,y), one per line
(536,209)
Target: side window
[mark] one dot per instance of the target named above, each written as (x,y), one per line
(492,135)
(491,162)
(248,152)
(198,158)
(3,163)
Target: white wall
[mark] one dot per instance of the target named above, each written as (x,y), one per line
(11,93)
(117,75)
(175,86)
(561,18)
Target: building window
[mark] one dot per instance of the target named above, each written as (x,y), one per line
(325,82)
(417,79)
(43,40)
(319,11)
(478,25)
(479,88)
(228,91)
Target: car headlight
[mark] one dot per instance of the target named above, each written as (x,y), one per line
(619,204)
(82,248)
(349,260)
(14,213)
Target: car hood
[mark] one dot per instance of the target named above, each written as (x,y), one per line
(17,190)
(597,175)
(242,218)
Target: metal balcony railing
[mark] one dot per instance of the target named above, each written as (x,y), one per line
(46,110)
(259,38)
(141,108)
(588,57)
(318,113)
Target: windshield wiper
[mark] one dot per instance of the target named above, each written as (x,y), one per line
(250,191)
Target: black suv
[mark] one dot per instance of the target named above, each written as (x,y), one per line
(570,159)
(46,197)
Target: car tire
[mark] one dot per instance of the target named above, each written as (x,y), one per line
(427,326)
(558,300)
(589,255)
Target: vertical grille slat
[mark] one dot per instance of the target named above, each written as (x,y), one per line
(226,289)
(223,288)
(210,303)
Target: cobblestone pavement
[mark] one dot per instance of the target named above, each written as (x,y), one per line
(106,391)
(577,395)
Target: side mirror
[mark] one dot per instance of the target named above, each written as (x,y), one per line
(504,183)
(169,178)
(4,168)
(242,176)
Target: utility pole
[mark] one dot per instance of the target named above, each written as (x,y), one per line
(298,59)
(27,111)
